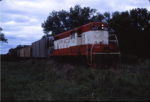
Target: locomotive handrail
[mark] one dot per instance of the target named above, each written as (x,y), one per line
(116,40)
(87,51)
(92,50)
(112,40)
(117,53)
(112,34)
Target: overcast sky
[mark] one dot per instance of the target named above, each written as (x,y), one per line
(21,19)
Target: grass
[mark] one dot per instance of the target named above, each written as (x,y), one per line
(47,80)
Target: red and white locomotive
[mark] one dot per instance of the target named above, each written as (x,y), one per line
(89,40)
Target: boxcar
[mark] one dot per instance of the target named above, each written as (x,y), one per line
(40,48)
(24,52)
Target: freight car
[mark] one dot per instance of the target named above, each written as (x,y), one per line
(20,51)
(41,48)
(24,52)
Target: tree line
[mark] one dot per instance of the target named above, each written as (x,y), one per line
(132,27)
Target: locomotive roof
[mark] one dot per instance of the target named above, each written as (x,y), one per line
(79,30)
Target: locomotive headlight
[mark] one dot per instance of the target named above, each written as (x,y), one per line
(102,26)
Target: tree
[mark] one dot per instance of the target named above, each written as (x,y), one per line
(107,17)
(56,22)
(97,18)
(133,30)
(79,16)
(2,36)
(60,21)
